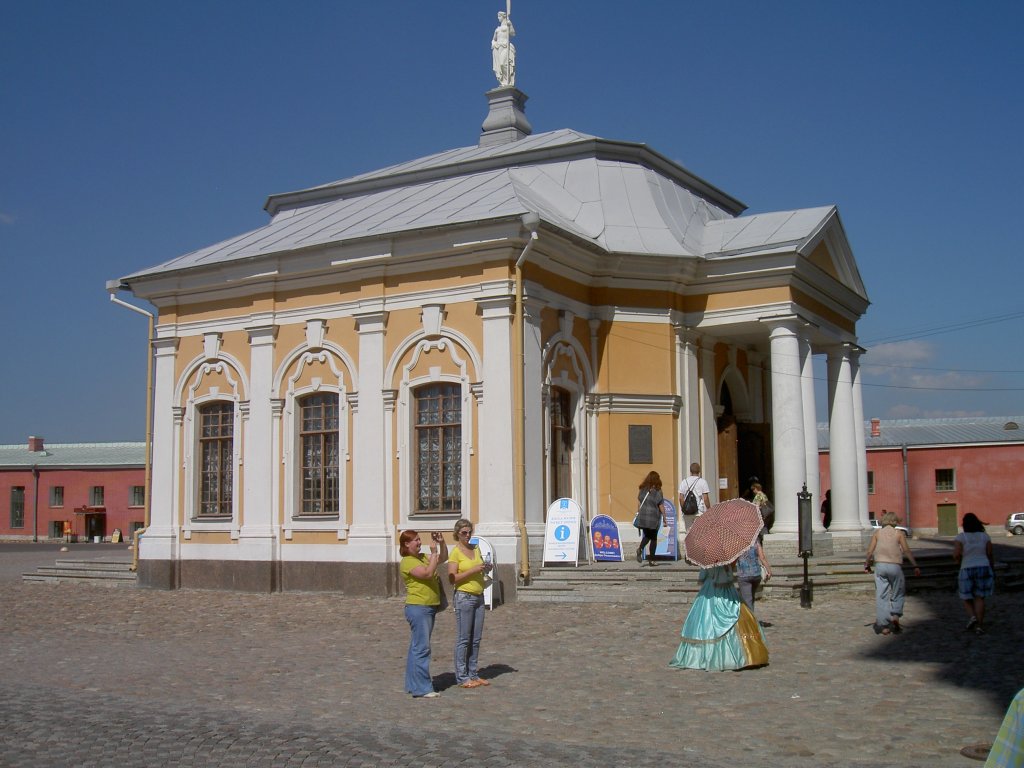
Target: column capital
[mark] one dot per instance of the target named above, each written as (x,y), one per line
(371,321)
(164,347)
(496,307)
(260,335)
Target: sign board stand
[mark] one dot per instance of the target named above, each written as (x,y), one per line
(562,539)
(486,550)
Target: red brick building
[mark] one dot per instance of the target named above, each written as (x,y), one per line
(89,489)
(932,471)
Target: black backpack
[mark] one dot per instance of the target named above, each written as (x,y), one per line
(690,503)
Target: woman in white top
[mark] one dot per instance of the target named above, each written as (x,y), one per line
(973,550)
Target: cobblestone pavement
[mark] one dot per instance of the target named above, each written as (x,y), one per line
(131,677)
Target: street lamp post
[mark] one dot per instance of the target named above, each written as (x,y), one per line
(806,544)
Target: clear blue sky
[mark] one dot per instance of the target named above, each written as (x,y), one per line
(133,132)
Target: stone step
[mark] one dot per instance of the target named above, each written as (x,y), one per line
(677,582)
(115,573)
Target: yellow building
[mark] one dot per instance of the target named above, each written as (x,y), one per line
(349,370)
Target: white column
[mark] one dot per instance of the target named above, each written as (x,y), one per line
(858,426)
(708,422)
(259,527)
(369,533)
(812,472)
(159,541)
(496,459)
(842,442)
(691,393)
(788,438)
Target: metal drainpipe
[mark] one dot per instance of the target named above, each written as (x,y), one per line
(906,489)
(149,427)
(35,504)
(531,221)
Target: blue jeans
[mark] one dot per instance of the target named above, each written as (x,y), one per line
(469,624)
(417,664)
(890,590)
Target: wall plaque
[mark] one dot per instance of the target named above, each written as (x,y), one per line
(640,444)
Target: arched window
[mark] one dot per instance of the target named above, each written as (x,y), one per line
(216,458)
(318,453)
(437,436)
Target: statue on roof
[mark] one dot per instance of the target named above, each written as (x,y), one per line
(503,53)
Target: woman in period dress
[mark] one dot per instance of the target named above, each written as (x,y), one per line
(720,632)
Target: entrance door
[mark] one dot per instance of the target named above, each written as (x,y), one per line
(562,439)
(728,458)
(947,520)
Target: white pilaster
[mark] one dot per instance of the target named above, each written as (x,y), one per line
(370,533)
(691,392)
(788,437)
(533,432)
(811,471)
(708,422)
(259,527)
(842,442)
(496,459)
(160,540)
(756,385)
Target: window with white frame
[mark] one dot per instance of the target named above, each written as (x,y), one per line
(137,496)
(216,458)
(56,495)
(437,438)
(945,480)
(18,506)
(871,481)
(319,452)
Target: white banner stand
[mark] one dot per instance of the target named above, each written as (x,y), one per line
(485,550)
(562,532)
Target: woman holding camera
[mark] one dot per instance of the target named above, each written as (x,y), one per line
(466,571)
(422,601)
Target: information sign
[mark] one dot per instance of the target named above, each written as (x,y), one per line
(668,536)
(562,532)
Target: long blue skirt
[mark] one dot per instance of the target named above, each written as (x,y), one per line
(720,632)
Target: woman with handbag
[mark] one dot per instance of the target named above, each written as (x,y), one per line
(650,516)
(466,571)
(422,602)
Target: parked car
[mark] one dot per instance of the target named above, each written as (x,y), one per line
(1015,523)
(906,531)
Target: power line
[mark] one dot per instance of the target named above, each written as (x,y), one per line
(910,335)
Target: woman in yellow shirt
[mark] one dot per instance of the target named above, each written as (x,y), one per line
(422,601)
(466,570)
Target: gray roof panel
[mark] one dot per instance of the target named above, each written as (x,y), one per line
(894,433)
(74,455)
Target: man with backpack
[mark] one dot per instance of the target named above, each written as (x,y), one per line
(693,493)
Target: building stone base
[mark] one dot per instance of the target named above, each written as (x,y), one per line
(353,579)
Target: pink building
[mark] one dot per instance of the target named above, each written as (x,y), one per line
(932,471)
(84,490)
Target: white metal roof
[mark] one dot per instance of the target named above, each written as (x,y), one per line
(621,197)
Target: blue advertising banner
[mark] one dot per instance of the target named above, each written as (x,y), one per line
(604,534)
(668,536)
